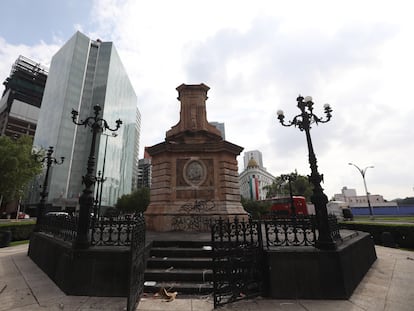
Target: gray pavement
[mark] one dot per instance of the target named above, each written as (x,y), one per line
(388,285)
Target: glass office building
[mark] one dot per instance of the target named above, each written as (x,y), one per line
(84,73)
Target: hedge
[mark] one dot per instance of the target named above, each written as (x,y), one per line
(402,234)
(20,230)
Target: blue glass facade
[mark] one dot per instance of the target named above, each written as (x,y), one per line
(84,73)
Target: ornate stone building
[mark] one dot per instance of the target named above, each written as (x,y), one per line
(254,178)
(194,171)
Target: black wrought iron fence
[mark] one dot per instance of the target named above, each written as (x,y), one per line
(271,231)
(59,226)
(238,251)
(239,232)
(112,231)
(136,264)
(296,231)
(237,260)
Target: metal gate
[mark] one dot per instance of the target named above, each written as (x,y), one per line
(137,264)
(237,260)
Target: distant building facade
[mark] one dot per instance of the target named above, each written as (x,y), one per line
(144,173)
(136,150)
(85,73)
(22,98)
(254,178)
(350,196)
(253,154)
(144,176)
(220,127)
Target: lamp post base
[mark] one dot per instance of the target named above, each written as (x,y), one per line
(325,245)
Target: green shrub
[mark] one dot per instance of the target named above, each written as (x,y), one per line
(20,230)
(403,234)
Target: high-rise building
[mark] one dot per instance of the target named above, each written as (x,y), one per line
(22,97)
(136,150)
(85,73)
(220,127)
(144,175)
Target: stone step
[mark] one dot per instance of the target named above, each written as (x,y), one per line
(182,266)
(181,244)
(179,275)
(180,262)
(189,252)
(189,288)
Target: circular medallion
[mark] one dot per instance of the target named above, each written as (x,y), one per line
(194,172)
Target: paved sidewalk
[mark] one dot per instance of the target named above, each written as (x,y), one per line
(388,285)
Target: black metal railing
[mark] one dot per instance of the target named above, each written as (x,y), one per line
(112,231)
(237,232)
(136,263)
(59,226)
(237,260)
(238,248)
(105,231)
(295,231)
(272,231)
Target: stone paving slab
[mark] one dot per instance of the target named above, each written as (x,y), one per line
(388,286)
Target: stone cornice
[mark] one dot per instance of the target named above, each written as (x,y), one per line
(208,147)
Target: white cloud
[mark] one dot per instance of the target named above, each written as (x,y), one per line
(257,57)
(41,53)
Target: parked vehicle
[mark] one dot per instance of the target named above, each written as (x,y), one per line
(57,214)
(282,206)
(340,209)
(23,216)
(347,213)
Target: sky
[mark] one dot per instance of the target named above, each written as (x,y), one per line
(256,57)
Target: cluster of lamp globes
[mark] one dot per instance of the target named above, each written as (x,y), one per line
(309,103)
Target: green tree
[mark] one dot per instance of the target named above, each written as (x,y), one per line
(136,202)
(255,208)
(300,186)
(18,165)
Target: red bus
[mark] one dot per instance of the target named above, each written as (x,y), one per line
(282,206)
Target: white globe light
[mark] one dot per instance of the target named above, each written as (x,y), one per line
(308,99)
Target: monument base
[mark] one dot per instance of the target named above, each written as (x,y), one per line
(191,218)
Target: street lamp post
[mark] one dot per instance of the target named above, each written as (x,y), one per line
(289,178)
(49,160)
(303,121)
(86,200)
(99,180)
(103,179)
(363,171)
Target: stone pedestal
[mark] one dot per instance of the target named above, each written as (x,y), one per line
(296,272)
(194,171)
